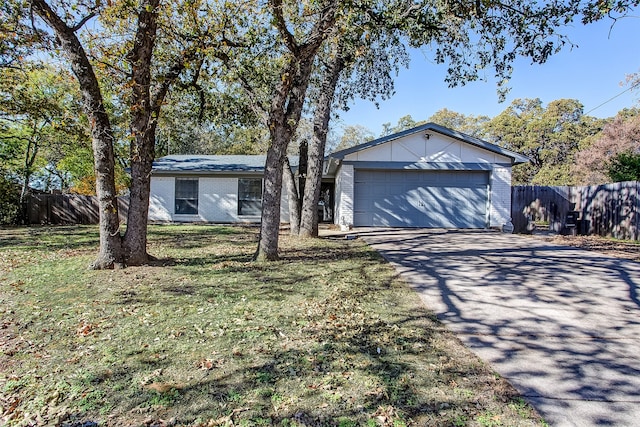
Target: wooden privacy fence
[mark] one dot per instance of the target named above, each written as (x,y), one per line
(606,210)
(67,209)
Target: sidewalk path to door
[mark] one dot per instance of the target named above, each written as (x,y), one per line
(561,324)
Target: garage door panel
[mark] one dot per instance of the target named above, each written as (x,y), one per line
(393,211)
(449,199)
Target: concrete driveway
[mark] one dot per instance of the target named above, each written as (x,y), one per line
(561,324)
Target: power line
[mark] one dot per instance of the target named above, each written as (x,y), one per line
(614,97)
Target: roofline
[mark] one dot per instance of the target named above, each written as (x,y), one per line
(201,172)
(205,168)
(515,157)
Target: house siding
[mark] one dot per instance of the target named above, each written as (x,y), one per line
(500,196)
(217,201)
(344,196)
(162,199)
(284,205)
(437,148)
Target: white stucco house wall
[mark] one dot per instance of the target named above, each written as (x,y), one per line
(428,176)
(206,188)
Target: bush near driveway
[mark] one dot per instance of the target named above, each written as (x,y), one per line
(326,336)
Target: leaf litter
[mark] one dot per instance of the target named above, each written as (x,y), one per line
(326,336)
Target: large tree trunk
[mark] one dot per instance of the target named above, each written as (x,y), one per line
(135,238)
(111,250)
(283,121)
(284,116)
(311,196)
(272,193)
(143,125)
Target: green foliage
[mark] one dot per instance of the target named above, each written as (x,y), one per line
(624,167)
(9,200)
(469,124)
(620,135)
(550,136)
(404,123)
(40,123)
(352,136)
(215,120)
(17,38)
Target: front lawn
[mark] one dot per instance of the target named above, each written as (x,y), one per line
(328,336)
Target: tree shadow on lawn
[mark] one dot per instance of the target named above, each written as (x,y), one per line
(81,237)
(50,238)
(305,253)
(399,368)
(350,376)
(200,236)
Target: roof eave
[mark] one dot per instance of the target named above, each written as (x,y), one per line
(516,158)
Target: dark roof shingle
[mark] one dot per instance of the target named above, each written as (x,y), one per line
(213,163)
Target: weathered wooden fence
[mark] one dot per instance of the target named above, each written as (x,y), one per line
(606,210)
(67,209)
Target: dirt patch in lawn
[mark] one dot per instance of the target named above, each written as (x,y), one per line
(327,336)
(627,249)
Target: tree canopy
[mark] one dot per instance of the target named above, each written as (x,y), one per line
(624,166)
(619,136)
(550,136)
(40,124)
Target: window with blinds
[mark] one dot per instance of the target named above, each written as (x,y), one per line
(249,196)
(186,196)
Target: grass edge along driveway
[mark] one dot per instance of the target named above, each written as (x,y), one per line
(327,336)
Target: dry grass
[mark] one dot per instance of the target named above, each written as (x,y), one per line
(627,249)
(328,336)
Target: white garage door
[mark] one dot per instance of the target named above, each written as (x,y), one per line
(430,199)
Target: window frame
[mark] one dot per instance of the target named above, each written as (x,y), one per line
(182,196)
(252,203)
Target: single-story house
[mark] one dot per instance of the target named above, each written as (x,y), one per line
(429,176)
(204,188)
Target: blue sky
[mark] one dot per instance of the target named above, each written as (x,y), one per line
(592,73)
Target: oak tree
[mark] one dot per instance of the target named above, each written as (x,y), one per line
(142,49)
(468,124)
(40,119)
(550,136)
(470,38)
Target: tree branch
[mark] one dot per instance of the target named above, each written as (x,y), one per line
(281,25)
(169,77)
(83,21)
(256,106)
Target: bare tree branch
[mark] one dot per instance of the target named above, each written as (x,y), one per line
(281,25)
(83,21)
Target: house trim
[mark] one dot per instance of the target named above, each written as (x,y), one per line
(451,166)
(432,127)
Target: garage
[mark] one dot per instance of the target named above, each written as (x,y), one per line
(421,198)
(428,176)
